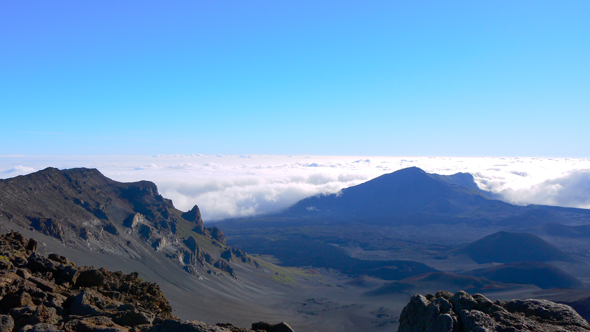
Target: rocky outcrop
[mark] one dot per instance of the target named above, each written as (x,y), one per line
(236,255)
(83,208)
(50,293)
(216,234)
(194,216)
(447,312)
(35,289)
(134,220)
(268,327)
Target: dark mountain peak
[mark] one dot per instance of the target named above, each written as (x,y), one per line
(408,191)
(77,173)
(193,215)
(408,171)
(83,172)
(460,179)
(405,175)
(508,247)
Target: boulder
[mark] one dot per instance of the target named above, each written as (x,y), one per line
(90,278)
(49,293)
(133,317)
(281,327)
(68,274)
(268,327)
(41,315)
(170,325)
(58,258)
(15,300)
(41,327)
(462,312)
(547,312)
(265,326)
(94,324)
(6,323)
(86,304)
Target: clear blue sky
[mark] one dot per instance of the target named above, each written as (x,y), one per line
(450,78)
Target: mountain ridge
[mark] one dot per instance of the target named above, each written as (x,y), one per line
(378,197)
(413,196)
(81,206)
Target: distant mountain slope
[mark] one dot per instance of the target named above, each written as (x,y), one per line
(565,231)
(407,191)
(82,207)
(301,251)
(539,274)
(413,196)
(506,247)
(436,281)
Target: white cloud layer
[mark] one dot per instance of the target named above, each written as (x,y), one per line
(236,186)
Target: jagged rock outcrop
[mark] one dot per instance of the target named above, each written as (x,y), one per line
(216,234)
(194,216)
(461,312)
(50,293)
(83,208)
(235,254)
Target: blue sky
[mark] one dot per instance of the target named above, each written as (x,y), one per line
(421,78)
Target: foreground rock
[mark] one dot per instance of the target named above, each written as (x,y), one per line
(39,293)
(446,312)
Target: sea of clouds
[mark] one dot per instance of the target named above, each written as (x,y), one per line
(238,186)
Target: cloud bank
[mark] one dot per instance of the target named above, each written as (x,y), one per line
(238,186)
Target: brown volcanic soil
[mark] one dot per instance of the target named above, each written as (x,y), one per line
(51,293)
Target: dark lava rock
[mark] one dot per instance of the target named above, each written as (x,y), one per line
(188,326)
(268,327)
(94,324)
(41,327)
(15,299)
(265,326)
(6,323)
(89,278)
(46,294)
(461,312)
